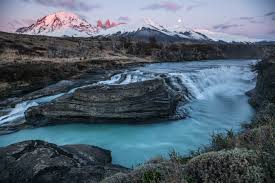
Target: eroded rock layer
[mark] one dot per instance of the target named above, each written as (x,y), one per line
(140,101)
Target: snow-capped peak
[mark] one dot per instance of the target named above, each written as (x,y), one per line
(177,32)
(63,16)
(59,24)
(151,23)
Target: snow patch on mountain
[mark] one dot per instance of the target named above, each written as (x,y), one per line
(146,23)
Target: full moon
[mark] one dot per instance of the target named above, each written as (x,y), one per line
(179,20)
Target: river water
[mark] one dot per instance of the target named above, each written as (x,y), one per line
(217,102)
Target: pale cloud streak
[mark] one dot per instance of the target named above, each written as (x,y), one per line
(169,6)
(74,5)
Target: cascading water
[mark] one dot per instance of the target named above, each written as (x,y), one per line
(216,102)
(17,113)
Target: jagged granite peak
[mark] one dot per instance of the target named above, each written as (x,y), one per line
(108,24)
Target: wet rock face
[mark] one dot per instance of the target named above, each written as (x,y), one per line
(265,87)
(39,161)
(141,101)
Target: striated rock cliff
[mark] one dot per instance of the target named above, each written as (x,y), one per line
(140,101)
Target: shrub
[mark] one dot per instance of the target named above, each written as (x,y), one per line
(237,165)
(223,141)
(151,176)
(177,158)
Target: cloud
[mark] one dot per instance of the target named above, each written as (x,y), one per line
(27,22)
(272,32)
(246,18)
(124,18)
(12,26)
(256,21)
(195,4)
(169,6)
(67,4)
(270,14)
(226,26)
(189,8)
(15,24)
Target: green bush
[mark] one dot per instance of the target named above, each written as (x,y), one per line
(237,165)
(151,176)
(177,158)
(223,141)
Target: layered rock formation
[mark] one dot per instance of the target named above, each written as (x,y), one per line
(39,161)
(140,101)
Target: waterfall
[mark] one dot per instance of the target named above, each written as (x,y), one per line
(18,111)
(201,80)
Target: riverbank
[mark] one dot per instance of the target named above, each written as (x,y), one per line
(29,63)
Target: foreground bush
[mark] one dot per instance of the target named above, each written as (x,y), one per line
(237,165)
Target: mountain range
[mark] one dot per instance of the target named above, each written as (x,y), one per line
(69,24)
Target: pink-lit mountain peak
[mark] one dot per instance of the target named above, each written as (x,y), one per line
(65,23)
(108,24)
(64,17)
(58,24)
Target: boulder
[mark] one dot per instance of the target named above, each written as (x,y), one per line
(39,161)
(141,101)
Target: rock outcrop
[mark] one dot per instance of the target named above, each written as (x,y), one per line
(39,161)
(265,87)
(134,102)
(262,97)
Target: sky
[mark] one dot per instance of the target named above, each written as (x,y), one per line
(250,18)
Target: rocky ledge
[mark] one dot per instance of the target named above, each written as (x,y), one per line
(262,97)
(134,102)
(265,88)
(39,161)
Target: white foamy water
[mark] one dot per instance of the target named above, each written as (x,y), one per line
(17,112)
